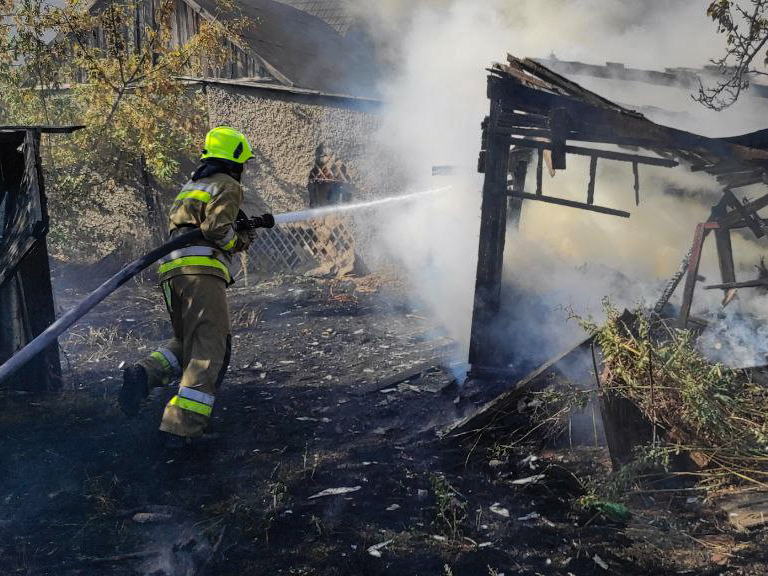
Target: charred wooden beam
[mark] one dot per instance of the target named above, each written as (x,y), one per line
(607,154)
(693,273)
(523,120)
(742,179)
(737,175)
(737,226)
(759,283)
(492,414)
(558,125)
(528,132)
(591,185)
(749,216)
(616,126)
(515,205)
(570,204)
(725,167)
(636,177)
(734,219)
(539,171)
(493,224)
(724,248)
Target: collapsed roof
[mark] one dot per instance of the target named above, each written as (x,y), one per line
(537,91)
(534,109)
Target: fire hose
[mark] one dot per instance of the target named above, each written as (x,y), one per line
(49,335)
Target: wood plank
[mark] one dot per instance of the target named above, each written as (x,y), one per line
(693,273)
(724,249)
(528,132)
(523,120)
(570,204)
(558,125)
(493,223)
(731,285)
(573,88)
(745,510)
(749,216)
(607,154)
(591,185)
(636,177)
(621,127)
(731,219)
(515,206)
(494,411)
(539,171)
(731,177)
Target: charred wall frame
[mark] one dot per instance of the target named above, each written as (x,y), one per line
(26,297)
(535,111)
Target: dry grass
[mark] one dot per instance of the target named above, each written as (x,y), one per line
(97,343)
(715,415)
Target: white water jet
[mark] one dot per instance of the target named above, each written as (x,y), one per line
(312,213)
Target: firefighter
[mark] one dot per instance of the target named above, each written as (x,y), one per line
(193,282)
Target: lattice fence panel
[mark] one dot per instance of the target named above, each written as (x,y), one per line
(302,246)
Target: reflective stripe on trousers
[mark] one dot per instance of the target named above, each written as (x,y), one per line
(169,362)
(194,256)
(193,401)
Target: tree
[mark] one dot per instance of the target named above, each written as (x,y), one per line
(116,69)
(745,26)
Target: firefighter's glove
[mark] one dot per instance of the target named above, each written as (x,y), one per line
(244,239)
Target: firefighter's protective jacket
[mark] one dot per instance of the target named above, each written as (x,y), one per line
(210,203)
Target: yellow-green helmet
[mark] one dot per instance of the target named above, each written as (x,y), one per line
(228,144)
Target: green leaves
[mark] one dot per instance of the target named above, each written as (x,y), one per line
(745,26)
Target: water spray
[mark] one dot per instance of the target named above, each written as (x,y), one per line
(313,213)
(48,336)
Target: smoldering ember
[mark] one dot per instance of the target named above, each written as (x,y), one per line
(453,288)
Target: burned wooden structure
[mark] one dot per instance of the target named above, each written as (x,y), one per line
(26,298)
(536,113)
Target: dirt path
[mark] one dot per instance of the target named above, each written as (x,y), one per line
(85,491)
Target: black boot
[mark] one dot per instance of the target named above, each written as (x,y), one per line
(173,442)
(135,389)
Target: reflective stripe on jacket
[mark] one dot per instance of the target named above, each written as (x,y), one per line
(211,204)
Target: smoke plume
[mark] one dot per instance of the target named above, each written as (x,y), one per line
(563,259)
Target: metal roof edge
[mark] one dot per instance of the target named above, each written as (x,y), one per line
(47,129)
(270,87)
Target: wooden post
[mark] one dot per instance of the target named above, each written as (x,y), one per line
(539,170)
(493,222)
(515,205)
(592,176)
(690,279)
(724,248)
(636,177)
(558,126)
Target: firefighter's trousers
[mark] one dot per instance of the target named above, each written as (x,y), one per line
(199,351)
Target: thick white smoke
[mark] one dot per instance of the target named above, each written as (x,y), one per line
(435,96)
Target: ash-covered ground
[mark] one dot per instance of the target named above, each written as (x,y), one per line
(315,399)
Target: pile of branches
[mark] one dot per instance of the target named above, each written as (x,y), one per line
(715,415)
